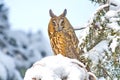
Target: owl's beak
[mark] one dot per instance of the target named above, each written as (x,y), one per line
(60,28)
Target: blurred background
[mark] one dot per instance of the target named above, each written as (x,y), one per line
(23,31)
(29,15)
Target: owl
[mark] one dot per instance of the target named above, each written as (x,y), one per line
(63,39)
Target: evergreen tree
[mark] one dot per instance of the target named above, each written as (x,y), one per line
(101,41)
(18,50)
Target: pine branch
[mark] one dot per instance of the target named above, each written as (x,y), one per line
(101,8)
(79,28)
(105,71)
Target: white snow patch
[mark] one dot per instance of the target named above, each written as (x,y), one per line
(97,52)
(115,4)
(9,67)
(114,44)
(102,78)
(110,14)
(3,72)
(57,68)
(95,13)
(113,26)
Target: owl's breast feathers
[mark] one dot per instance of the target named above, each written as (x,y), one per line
(72,46)
(65,43)
(58,43)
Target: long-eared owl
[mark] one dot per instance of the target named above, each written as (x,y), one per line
(62,36)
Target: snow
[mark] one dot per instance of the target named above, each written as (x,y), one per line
(113,15)
(97,53)
(114,44)
(3,17)
(9,67)
(114,26)
(56,68)
(100,54)
(21,50)
(102,78)
(3,72)
(14,56)
(21,39)
(116,4)
(95,13)
(110,14)
(22,46)
(18,49)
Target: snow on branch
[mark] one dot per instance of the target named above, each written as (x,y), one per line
(58,68)
(101,8)
(79,28)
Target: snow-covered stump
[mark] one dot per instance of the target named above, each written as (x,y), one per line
(58,68)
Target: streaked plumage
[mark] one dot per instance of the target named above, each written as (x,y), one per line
(62,36)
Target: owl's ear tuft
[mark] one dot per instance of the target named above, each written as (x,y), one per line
(64,13)
(51,13)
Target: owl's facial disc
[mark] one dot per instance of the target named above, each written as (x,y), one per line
(58,24)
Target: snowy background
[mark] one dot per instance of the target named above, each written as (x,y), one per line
(23,31)
(24,38)
(30,15)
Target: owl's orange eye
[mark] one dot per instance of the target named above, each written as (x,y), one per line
(62,22)
(54,23)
